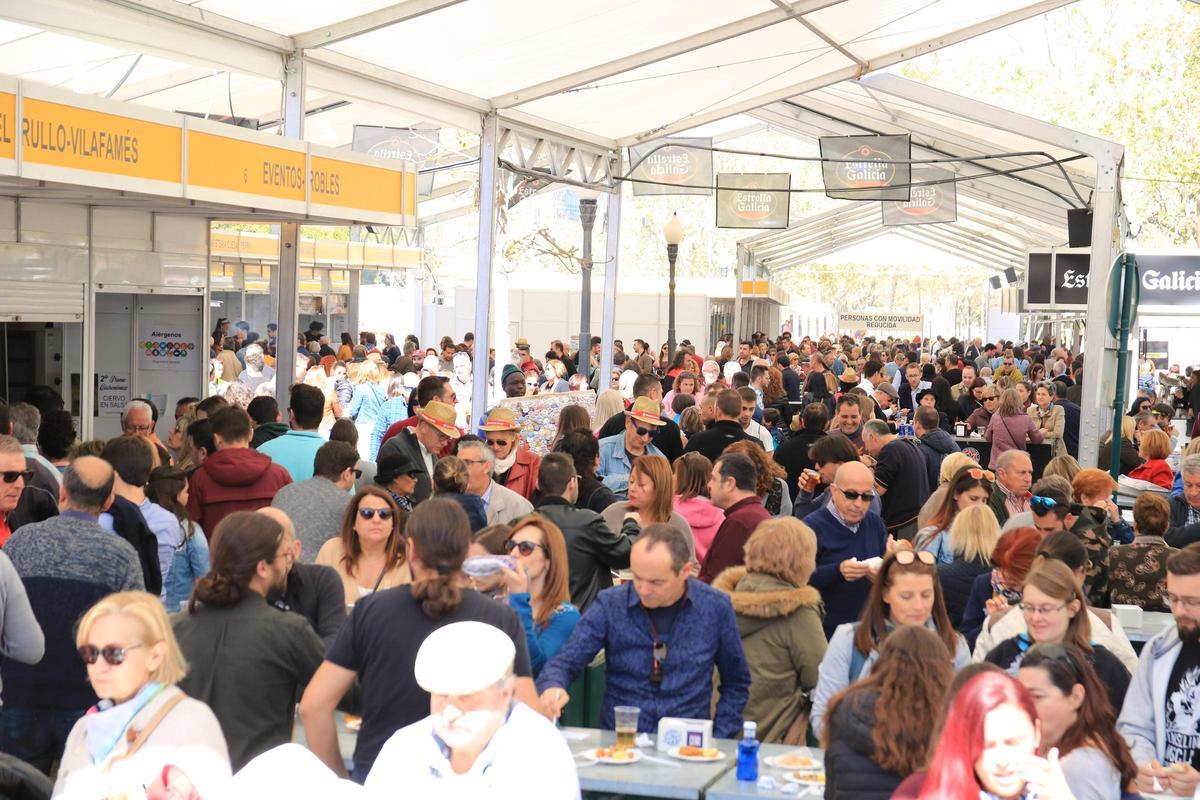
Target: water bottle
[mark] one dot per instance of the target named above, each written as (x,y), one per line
(747,757)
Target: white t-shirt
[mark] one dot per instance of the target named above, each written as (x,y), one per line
(526,758)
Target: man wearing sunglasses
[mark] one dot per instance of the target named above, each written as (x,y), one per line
(67,564)
(516,466)
(1159,718)
(662,634)
(666,438)
(618,452)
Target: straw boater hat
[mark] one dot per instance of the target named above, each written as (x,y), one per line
(849,375)
(500,419)
(645,410)
(441,416)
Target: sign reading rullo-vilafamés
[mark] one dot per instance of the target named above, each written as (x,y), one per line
(866,167)
(674,166)
(1061,279)
(753,200)
(932,199)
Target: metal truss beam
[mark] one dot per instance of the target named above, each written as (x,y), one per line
(528,150)
(371,21)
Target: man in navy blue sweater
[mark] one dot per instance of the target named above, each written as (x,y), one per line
(848,533)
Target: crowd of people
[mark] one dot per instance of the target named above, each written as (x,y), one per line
(790,532)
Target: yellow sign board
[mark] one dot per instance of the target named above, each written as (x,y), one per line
(58,135)
(235,165)
(8,125)
(349,185)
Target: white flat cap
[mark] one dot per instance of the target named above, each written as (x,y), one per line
(461,358)
(463,658)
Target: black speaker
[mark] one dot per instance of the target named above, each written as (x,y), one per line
(1079,227)
(1010,275)
(995,281)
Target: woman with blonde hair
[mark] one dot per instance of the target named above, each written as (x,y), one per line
(1010,427)
(539,588)
(779,619)
(772,484)
(368,554)
(972,486)
(951,465)
(608,405)
(651,499)
(1129,458)
(973,536)
(1064,466)
(144,724)
(365,406)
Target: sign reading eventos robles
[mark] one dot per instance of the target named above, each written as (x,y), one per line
(753,201)
(935,202)
(165,345)
(682,165)
(863,167)
(866,321)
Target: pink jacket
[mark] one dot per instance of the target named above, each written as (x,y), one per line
(705,519)
(1009,433)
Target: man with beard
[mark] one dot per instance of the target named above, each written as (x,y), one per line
(1161,715)
(478,740)
(245,660)
(256,372)
(314,591)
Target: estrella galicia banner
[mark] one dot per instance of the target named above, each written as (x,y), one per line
(418,145)
(683,164)
(863,167)
(753,200)
(935,202)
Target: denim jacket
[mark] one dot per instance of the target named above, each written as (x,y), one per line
(704,633)
(189,564)
(615,465)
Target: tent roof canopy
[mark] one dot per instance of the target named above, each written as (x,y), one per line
(1000,217)
(608,72)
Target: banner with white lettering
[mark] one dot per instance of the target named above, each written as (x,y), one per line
(418,145)
(683,164)
(937,201)
(879,322)
(863,167)
(753,201)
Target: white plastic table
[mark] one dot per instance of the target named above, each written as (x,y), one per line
(728,787)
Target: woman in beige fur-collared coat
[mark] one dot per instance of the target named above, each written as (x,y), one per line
(779,619)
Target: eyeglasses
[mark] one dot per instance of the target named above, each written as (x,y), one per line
(1190,603)
(658,666)
(114,655)
(526,548)
(982,475)
(866,496)
(369,513)
(907,557)
(472,462)
(988,397)
(10,476)
(1041,611)
(640,431)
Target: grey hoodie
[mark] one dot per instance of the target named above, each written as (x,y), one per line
(1142,721)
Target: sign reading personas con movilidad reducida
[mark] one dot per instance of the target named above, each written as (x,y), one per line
(866,167)
(1061,279)
(880,322)
(672,166)
(753,200)
(418,145)
(933,198)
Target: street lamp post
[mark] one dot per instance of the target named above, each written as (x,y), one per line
(673,234)
(587,218)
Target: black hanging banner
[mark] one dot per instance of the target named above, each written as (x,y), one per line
(684,164)
(935,202)
(864,167)
(753,200)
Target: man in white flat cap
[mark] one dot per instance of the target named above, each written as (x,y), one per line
(478,740)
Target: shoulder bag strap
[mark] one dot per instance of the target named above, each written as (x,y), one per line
(144,733)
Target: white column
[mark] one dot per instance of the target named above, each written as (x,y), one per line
(608,320)
(353,306)
(87,369)
(289,238)
(483,272)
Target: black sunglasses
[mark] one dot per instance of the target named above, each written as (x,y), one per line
(369,513)
(640,431)
(866,496)
(115,656)
(10,476)
(526,548)
(495,442)
(1056,652)
(659,666)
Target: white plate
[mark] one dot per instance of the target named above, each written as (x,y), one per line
(674,753)
(791,761)
(637,756)
(806,777)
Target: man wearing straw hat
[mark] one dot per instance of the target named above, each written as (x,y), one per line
(422,443)
(516,466)
(617,453)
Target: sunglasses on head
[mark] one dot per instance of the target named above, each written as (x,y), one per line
(10,476)
(982,475)
(907,557)
(1055,652)
(369,513)
(114,655)
(526,548)
(659,665)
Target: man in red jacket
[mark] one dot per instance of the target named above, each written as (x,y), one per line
(732,485)
(235,478)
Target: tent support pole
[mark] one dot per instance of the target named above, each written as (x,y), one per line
(483,272)
(289,247)
(608,320)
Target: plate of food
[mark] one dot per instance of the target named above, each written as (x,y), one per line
(689,753)
(794,760)
(616,755)
(808,777)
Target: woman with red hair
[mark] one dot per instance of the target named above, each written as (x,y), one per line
(989,747)
(995,592)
